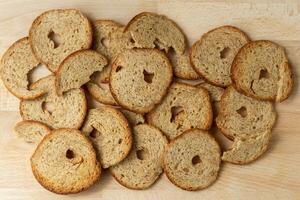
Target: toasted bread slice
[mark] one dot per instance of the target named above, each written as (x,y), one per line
(55,34)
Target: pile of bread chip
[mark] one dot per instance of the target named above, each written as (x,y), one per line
(150,121)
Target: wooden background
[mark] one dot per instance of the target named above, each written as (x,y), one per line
(276,175)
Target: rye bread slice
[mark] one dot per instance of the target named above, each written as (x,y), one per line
(15,65)
(247,149)
(67,111)
(109,40)
(69,26)
(31,131)
(212,55)
(110,133)
(242,116)
(77,68)
(65,162)
(150,30)
(184,107)
(140,78)
(192,160)
(143,166)
(261,70)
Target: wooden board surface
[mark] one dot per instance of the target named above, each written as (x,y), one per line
(276,175)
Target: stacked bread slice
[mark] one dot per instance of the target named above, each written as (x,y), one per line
(148,122)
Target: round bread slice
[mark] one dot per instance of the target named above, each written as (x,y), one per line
(101,93)
(183,108)
(65,162)
(213,54)
(110,133)
(215,94)
(140,78)
(261,70)
(15,65)
(143,165)
(192,160)
(133,118)
(67,111)
(31,131)
(242,116)
(55,34)
(77,68)
(150,30)
(109,40)
(247,149)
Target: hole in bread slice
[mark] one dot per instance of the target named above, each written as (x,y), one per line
(242,112)
(142,154)
(264,74)
(105,42)
(176,111)
(118,68)
(94,134)
(37,73)
(225,52)
(55,38)
(148,76)
(48,107)
(70,154)
(196,160)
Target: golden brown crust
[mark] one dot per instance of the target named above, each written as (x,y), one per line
(48,185)
(201,40)
(164,162)
(235,75)
(37,21)
(140,111)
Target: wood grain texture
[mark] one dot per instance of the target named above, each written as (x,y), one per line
(276,175)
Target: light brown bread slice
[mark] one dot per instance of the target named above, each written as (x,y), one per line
(215,93)
(247,149)
(192,160)
(150,30)
(140,78)
(183,108)
(67,111)
(110,133)
(15,65)
(55,34)
(65,162)
(133,118)
(101,93)
(242,116)
(213,54)
(109,40)
(31,131)
(261,70)
(77,68)
(143,166)
(183,67)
